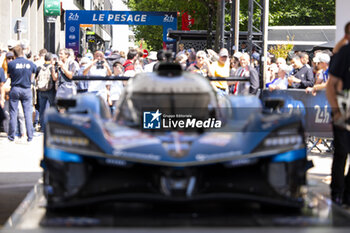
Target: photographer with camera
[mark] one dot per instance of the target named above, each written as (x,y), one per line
(98,67)
(65,69)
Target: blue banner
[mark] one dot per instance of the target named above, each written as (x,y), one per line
(76,17)
(316,109)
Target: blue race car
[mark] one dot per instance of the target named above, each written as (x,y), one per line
(173,139)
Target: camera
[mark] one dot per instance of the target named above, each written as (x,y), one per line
(99,65)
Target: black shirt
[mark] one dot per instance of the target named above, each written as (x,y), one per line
(305,75)
(340,66)
(253,80)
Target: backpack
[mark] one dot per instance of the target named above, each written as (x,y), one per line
(45,82)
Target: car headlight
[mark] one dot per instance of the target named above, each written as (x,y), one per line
(69,141)
(283,140)
(290,136)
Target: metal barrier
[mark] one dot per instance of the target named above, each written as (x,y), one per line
(316,109)
(124,78)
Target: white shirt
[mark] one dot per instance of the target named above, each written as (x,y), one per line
(149,67)
(99,87)
(116,90)
(282,83)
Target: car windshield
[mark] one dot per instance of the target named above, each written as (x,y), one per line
(195,105)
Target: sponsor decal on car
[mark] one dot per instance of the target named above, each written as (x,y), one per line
(216,139)
(217,156)
(124,139)
(157,120)
(152,120)
(135,155)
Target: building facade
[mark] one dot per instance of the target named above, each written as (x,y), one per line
(48,32)
(29,16)
(124,38)
(102,33)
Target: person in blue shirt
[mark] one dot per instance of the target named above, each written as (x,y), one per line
(21,72)
(322,62)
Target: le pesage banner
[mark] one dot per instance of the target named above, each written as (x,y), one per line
(76,17)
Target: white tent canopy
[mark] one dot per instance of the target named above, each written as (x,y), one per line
(304,37)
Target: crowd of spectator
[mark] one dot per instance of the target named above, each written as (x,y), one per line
(50,76)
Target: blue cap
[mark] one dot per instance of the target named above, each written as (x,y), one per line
(108,52)
(256,56)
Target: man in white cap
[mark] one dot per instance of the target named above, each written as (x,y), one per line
(221,68)
(152,57)
(26,48)
(322,63)
(11,44)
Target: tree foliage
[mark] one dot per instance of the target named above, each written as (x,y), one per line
(282,50)
(281,12)
(153,34)
(301,12)
(293,12)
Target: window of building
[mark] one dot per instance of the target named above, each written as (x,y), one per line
(25,6)
(131,38)
(39,4)
(80,2)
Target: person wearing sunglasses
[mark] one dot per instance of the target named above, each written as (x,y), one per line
(10,56)
(201,65)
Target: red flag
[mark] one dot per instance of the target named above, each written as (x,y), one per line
(187,21)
